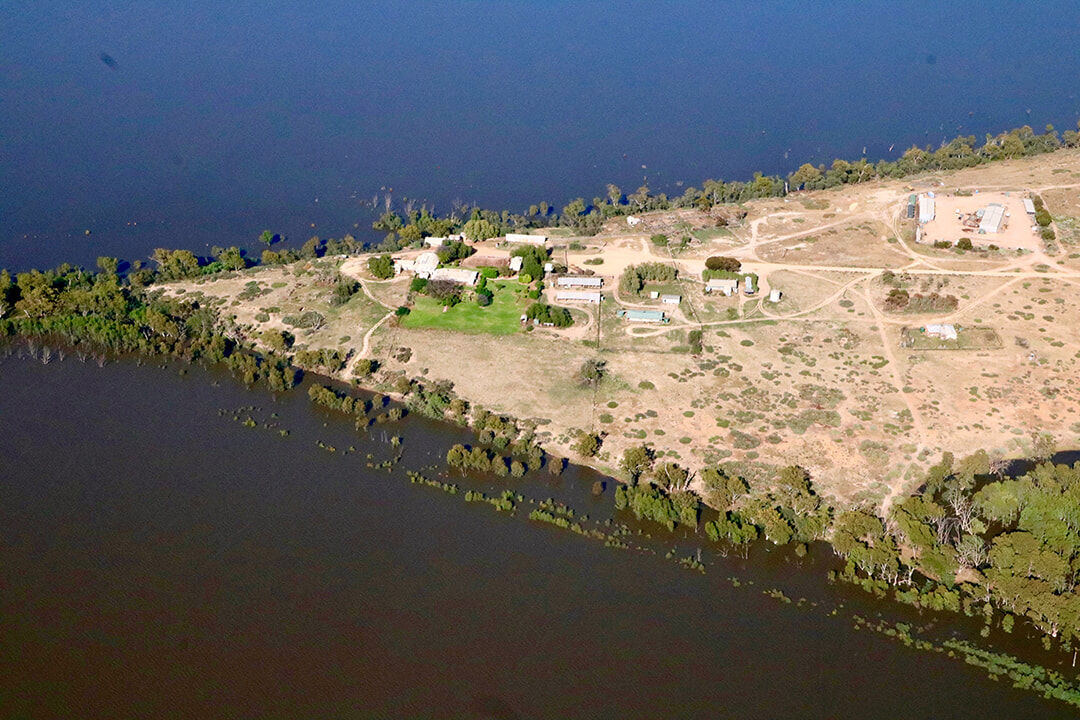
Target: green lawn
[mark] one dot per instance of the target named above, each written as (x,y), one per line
(705,234)
(501,317)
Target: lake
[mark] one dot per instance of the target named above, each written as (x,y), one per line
(160,559)
(201,124)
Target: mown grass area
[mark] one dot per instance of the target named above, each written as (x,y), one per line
(502,317)
(706,234)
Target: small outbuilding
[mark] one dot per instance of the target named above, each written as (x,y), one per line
(748,285)
(671,299)
(775,295)
(515,263)
(1029,207)
(945,332)
(727,286)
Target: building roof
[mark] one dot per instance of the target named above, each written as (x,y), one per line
(459,275)
(579,281)
(516,262)
(715,283)
(643,315)
(926,208)
(673,299)
(579,295)
(992,217)
(426,262)
(1029,206)
(947,332)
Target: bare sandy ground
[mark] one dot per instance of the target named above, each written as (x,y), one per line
(822,378)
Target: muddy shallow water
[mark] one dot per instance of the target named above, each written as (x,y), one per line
(160,559)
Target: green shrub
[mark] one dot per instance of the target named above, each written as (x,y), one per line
(381,266)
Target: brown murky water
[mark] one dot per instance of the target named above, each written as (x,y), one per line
(158,559)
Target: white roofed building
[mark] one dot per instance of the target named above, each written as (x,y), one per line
(458,275)
(579,281)
(727,286)
(425,263)
(927,209)
(579,296)
(992,218)
(945,332)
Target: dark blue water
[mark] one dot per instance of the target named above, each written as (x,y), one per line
(211,121)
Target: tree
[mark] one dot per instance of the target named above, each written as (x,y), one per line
(587,445)
(592,371)
(344,289)
(806,176)
(636,461)
(176,264)
(310,249)
(232,258)
(719,262)
(381,266)
(549,314)
(672,477)
(478,229)
(109,266)
(1043,446)
(388,222)
(448,291)
(267,238)
(640,198)
(721,489)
